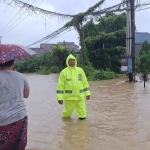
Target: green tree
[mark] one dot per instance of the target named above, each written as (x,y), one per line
(143,60)
(60,54)
(105,41)
(51,61)
(145,47)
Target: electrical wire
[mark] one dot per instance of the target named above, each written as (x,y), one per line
(19,22)
(40,10)
(143,9)
(59,34)
(56,33)
(110,9)
(11,20)
(5,32)
(50,36)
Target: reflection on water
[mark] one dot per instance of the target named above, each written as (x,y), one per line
(117,117)
(77,135)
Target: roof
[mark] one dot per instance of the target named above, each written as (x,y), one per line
(140,37)
(69,45)
(46,47)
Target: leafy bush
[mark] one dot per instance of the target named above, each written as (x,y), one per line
(50,62)
(54,69)
(28,65)
(43,70)
(88,69)
(102,75)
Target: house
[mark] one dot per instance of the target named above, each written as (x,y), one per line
(45,47)
(71,45)
(39,51)
(140,37)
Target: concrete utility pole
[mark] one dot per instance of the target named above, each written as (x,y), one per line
(130,37)
(133,35)
(128,30)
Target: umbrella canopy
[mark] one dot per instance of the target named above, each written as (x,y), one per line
(12,52)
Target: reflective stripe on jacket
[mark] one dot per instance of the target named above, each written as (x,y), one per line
(72,84)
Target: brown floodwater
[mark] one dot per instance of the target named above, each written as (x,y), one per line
(118,117)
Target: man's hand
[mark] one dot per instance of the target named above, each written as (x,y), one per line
(88,97)
(60,102)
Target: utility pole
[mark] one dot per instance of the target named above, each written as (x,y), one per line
(0,38)
(128,30)
(133,36)
(130,39)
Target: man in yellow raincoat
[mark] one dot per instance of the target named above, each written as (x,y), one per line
(72,88)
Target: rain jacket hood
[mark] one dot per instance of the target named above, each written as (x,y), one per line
(71,57)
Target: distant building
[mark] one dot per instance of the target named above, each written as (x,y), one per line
(71,45)
(48,47)
(140,37)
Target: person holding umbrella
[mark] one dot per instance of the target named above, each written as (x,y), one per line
(14,87)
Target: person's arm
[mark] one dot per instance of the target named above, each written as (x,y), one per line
(86,85)
(60,88)
(26,93)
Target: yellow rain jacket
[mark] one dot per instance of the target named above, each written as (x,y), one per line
(72,83)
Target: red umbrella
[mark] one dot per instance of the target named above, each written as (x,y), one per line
(12,52)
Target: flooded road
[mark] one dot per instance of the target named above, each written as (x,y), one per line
(118,117)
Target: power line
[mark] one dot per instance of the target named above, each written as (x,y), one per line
(19,22)
(11,20)
(143,9)
(110,9)
(50,36)
(58,35)
(142,5)
(40,10)
(5,32)
(57,32)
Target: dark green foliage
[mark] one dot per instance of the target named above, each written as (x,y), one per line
(103,75)
(30,64)
(88,69)
(54,69)
(143,60)
(145,47)
(87,29)
(93,74)
(105,41)
(111,23)
(50,62)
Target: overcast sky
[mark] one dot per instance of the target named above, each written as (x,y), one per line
(20,27)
